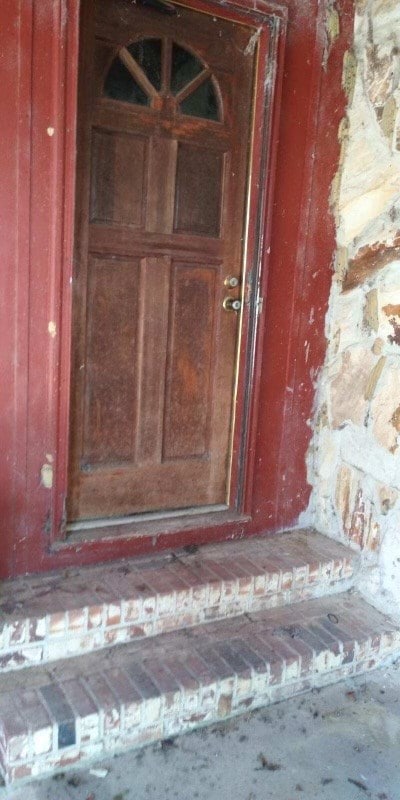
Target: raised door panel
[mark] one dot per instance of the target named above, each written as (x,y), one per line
(110,363)
(118,178)
(191,359)
(199,190)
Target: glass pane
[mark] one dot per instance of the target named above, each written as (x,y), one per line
(120,85)
(147,53)
(185,67)
(202,102)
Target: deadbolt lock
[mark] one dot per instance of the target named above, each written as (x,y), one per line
(231,282)
(230,304)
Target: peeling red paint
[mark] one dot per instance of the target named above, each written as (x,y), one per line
(369,260)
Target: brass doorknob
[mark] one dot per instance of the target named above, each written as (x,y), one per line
(230,304)
(231,281)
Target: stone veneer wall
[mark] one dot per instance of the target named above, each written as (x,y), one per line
(354,457)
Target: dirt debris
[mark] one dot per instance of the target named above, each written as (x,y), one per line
(359,784)
(271,766)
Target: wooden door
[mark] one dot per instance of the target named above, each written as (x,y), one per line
(163,148)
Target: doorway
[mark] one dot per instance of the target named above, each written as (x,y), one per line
(164,140)
(289,239)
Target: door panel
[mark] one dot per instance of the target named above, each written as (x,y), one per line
(110,361)
(189,374)
(162,156)
(198,192)
(118,189)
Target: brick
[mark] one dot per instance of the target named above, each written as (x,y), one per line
(61,713)
(260,584)
(119,635)
(77,620)
(249,565)
(201,671)
(32,710)
(34,654)
(290,658)
(83,643)
(203,573)
(226,575)
(286,580)
(249,655)
(57,624)
(304,651)
(233,659)
(105,699)
(337,631)
(78,698)
(311,639)
(150,693)
(215,662)
(142,681)
(88,721)
(95,616)
(12,660)
(224,705)
(166,682)
(18,632)
(127,695)
(113,614)
(274,664)
(245,580)
(21,773)
(14,734)
(300,576)
(329,639)
(132,609)
(272,582)
(388,640)
(37,630)
(215,612)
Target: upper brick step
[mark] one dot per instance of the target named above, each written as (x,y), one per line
(52,717)
(78,611)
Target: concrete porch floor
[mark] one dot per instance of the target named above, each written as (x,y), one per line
(340,742)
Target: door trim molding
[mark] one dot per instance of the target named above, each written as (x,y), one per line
(36,279)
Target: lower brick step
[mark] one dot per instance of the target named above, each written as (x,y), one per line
(44,618)
(54,717)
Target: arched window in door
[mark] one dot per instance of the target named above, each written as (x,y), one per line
(154,69)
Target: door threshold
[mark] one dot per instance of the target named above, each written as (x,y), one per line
(152,526)
(106,522)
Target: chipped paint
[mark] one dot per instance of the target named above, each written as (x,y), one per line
(332,24)
(349,74)
(46,476)
(52,329)
(252,43)
(332,29)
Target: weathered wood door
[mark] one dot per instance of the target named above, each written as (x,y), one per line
(163,150)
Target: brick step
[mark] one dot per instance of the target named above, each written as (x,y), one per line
(58,716)
(79,611)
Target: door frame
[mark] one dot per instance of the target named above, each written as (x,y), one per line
(264,46)
(296,234)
